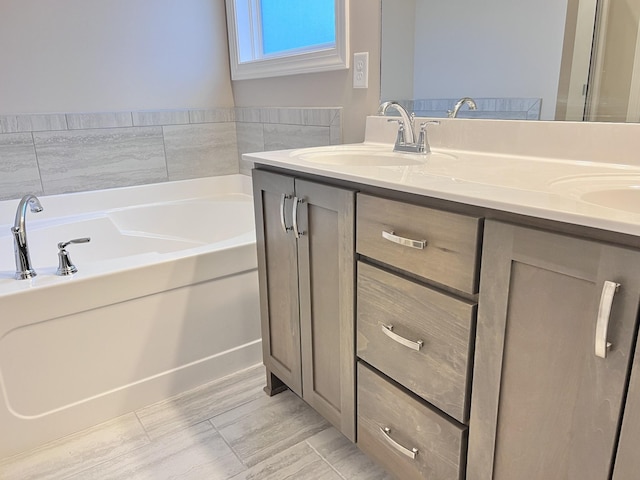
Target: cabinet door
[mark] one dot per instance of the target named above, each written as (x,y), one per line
(627,465)
(544,406)
(326,272)
(278,275)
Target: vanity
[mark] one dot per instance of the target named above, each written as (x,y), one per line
(468,314)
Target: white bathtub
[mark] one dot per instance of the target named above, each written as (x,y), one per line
(165,299)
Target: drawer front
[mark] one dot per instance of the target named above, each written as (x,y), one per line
(450,256)
(419,337)
(440,444)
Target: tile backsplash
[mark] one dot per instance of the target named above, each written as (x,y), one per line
(60,153)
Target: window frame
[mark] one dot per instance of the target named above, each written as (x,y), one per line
(293,62)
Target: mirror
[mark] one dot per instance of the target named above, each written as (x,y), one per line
(549,60)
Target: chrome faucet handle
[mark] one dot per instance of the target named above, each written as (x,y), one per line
(423,125)
(400,137)
(422,138)
(63,245)
(65,266)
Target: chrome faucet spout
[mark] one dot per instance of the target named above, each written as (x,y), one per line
(406,138)
(19,231)
(456,108)
(407,119)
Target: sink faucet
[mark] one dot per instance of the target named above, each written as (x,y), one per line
(19,230)
(406,124)
(469,101)
(406,138)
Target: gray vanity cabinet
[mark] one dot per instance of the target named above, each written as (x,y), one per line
(305,239)
(544,405)
(627,465)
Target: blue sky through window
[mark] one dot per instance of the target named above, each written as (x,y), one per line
(291,24)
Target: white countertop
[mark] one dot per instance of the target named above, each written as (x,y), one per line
(565,190)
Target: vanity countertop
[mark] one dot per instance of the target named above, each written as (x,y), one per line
(598,194)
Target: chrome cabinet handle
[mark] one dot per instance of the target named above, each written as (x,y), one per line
(283,222)
(407,242)
(296,231)
(609,289)
(388,331)
(386,433)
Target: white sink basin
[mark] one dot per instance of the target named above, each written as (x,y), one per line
(618,191)
(627,199)
(364,155)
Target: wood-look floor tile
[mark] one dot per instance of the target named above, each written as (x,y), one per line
(203,402)
(197,453)
(77,452)
(297,462)
(268,425)
(345,457)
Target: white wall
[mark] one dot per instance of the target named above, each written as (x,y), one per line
(108,55)
(328,89)
(493,48)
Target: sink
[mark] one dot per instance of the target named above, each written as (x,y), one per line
(627,199)
(364,155)
(617,191)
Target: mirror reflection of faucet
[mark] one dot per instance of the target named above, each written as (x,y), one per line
(19,231)
(456,108)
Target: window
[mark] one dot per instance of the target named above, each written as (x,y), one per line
(268,38)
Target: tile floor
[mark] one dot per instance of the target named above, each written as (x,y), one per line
(226,430)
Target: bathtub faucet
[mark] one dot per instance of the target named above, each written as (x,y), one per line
(19,230)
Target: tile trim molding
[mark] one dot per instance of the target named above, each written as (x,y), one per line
(39,122)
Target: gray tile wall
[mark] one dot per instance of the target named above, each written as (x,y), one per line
(267,129)
(60,153)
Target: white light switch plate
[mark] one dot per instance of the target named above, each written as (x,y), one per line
(361,70)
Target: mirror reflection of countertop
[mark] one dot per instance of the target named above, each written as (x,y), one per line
(604,195)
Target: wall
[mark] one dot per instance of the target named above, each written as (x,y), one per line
(328,89)
(110,93)
(111,55)
(618,61)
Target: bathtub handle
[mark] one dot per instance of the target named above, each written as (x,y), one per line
(63,245)
(283,222)
(296,201)
(65,265)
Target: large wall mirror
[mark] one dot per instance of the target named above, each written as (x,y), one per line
(549,59)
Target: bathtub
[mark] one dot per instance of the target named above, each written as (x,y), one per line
(165,299)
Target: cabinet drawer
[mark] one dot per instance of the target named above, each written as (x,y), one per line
(450,255)
(440,444)
(428,349)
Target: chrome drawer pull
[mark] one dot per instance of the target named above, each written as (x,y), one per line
(296,201)
(406,242)
(609,289)
(283,222)
(388,331)
(386,433)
